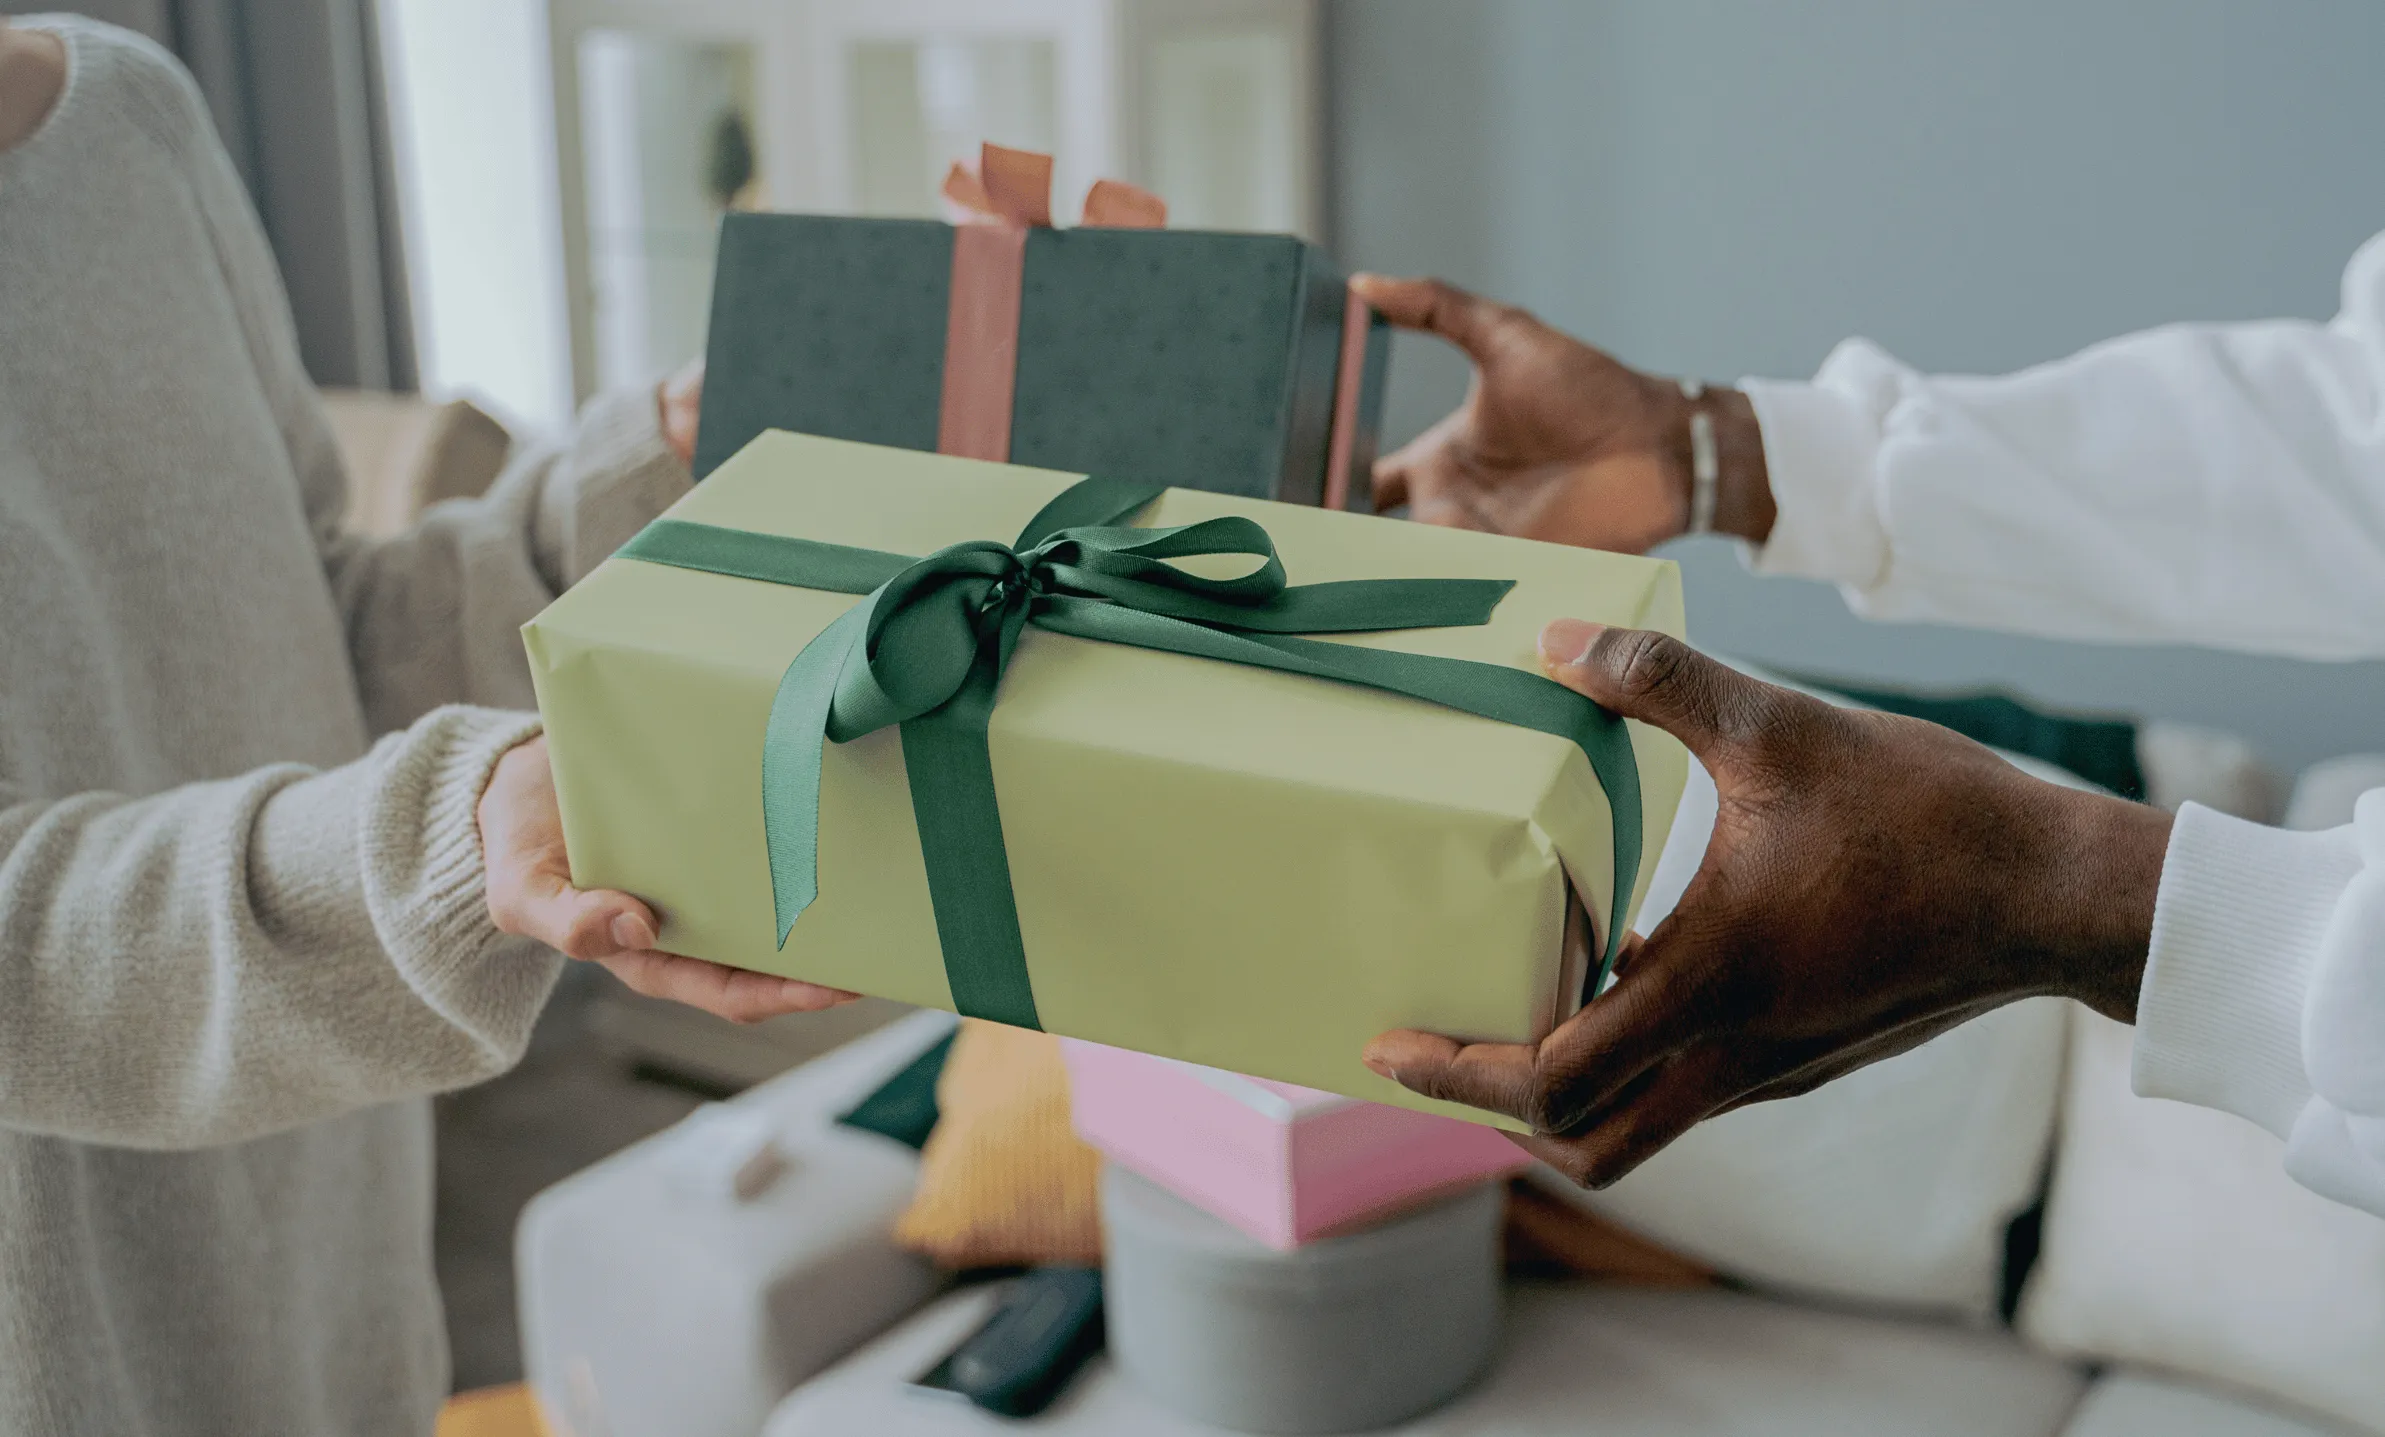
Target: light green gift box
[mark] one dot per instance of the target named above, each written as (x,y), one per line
(1237,867)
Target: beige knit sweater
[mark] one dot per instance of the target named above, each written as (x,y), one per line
(239,938)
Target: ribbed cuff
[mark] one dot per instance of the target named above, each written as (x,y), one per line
(426,879)
(2238,921)
(1820,450)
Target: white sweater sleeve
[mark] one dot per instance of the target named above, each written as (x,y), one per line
(2264,992)
(2222,485)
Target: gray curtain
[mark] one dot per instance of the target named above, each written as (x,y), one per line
(295,86)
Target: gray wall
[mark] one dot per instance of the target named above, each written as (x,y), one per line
(1729,187)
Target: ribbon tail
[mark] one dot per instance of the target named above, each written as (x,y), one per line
(964,188)
(1115,204)
(1093,502)
(791,746)
(1604,741)
(951,772)
(1017,183)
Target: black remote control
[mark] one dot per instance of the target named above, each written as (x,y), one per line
(1017,1362)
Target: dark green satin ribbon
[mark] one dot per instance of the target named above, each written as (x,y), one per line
(925,651)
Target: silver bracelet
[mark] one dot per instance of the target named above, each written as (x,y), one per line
(1705,462)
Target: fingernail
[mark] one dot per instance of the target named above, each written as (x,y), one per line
(1565,643)
(633,932)
(1376,1065)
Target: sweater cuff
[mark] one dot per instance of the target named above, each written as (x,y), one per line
(426,881)
(2237,923)
(1820,451)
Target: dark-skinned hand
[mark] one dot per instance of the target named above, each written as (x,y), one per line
(1557,440)
(1872,881)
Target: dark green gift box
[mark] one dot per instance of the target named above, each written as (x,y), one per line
(1198,359)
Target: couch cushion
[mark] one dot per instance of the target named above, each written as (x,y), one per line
(1004,1181)
(2174,1239)
(404,453)
(1620,1362)
(2134,1404)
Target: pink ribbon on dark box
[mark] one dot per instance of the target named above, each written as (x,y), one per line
(1009,193)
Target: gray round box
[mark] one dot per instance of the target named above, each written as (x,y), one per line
(1339,1335)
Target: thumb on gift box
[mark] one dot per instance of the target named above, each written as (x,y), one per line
(1658,680)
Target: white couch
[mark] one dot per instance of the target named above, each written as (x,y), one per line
(724,1283)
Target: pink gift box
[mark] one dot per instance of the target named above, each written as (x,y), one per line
(1285,1164)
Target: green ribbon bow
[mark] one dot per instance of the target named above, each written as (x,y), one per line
(926,649)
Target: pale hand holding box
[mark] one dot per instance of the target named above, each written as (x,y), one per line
(1283,1163)
(1239,868)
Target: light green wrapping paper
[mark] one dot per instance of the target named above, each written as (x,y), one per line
(1216,863)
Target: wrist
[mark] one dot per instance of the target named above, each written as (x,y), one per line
(1743,506)
(1741,490)
(2091,924)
